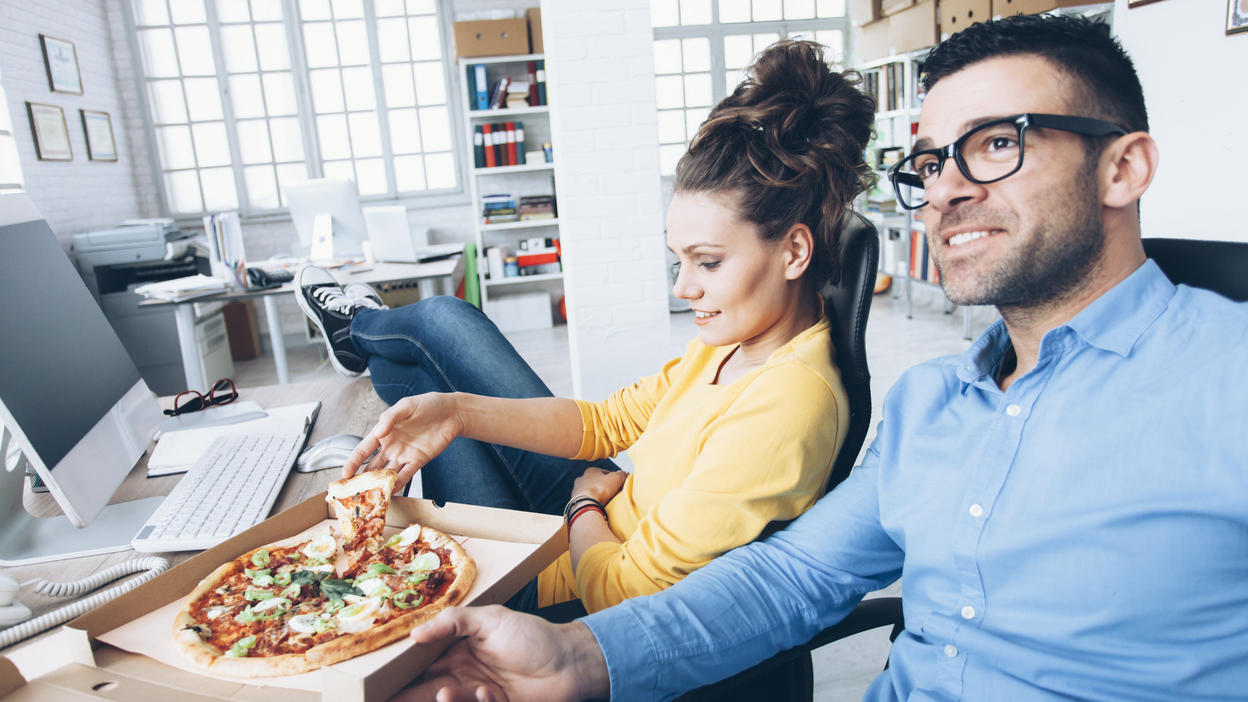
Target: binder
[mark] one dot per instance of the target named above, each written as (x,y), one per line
(478,146)
(510,130)
(533,97)
(520,143)
(487,143)
(479,82)
(500,145)
(541,83)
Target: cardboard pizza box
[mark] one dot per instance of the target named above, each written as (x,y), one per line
(80,665)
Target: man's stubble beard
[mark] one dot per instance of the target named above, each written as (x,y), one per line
(1053,260)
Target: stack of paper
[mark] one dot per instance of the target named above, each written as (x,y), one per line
(179,289)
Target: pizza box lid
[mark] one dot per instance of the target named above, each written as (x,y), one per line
(79,667)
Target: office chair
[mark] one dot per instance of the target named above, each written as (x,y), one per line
(1219,266)
(847,305)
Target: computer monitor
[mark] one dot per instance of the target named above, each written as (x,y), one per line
(323,208)
(71,399)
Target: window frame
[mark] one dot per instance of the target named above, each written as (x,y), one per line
(305,115)
(716,31)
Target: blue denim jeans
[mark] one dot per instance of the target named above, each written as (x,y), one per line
(443,344)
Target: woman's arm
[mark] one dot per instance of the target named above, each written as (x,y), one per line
(418,428)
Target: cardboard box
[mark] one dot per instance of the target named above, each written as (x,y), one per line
(96,670)
(871,40)
(892,7)
(956,15)
(533,16)
(520,311)
(491,37)
(913,29)
(864,11)
(1004,8)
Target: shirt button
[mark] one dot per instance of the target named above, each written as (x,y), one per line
(968,612)
(977,511)
(951,651)
(1013,410)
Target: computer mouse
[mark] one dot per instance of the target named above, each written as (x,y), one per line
(330,452)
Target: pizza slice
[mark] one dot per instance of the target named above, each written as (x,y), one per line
(360,504)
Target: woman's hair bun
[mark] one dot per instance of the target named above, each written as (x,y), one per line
(789,142)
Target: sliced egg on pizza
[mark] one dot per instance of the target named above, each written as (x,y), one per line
(408,535)
(322,546)
(359,616)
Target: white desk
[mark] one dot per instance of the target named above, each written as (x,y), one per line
(433,278)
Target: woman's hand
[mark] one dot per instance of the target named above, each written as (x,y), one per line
(599,484)
(407,436)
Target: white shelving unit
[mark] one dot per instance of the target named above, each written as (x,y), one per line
(527,179)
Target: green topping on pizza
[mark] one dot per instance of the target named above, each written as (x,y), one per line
(241,647)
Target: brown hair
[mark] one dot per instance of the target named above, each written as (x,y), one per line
(788,144)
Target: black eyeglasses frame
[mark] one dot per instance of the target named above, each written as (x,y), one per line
(1087,126)
(196,401)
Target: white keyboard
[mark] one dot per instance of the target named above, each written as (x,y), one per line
(230,488)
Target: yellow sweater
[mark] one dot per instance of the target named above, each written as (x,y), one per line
(714,464)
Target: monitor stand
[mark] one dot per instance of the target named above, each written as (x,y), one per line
(26,539)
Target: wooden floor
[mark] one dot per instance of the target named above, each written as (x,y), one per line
(894,343)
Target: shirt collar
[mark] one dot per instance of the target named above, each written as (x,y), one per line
(1114,322)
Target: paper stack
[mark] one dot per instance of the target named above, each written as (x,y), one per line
(180,289)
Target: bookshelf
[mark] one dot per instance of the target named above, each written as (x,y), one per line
(529,180)
(894,81)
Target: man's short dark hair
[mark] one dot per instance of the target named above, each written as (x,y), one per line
(1080,47)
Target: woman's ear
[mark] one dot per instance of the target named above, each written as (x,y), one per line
(798,246)
(1128,165)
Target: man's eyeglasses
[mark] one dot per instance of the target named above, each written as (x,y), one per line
(222,393)
(990,152)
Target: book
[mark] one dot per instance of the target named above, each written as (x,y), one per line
(499,94)
(532,70)
(487,131)
(478,146)
(481,98)
(520,158)
(500,145)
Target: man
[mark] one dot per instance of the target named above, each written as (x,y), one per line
(1065,502)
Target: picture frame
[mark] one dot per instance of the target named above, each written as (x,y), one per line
(97,127)
(1236,16)
(47,124)
(60,58)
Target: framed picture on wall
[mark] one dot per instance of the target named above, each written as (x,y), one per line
(98,129)
(60,58)
(47,123)
(1236,16)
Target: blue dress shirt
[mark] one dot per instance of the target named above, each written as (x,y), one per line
(1082,535)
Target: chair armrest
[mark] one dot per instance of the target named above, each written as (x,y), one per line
(869,614)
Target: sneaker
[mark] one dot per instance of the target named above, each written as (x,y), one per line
(331,310)
(366,295)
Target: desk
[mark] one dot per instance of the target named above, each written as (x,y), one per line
(347,406)
(434,278)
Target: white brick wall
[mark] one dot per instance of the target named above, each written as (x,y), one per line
(600,73)
(77,195)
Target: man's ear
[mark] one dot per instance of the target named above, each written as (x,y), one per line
(1128,165)
(798,246)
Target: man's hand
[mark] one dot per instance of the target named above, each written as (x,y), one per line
(407,436)
(599,484)
(510,656)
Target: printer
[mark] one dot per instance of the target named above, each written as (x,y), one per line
(113,262)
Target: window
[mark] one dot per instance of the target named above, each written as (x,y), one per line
(702,47)
(248,96)
(10,167)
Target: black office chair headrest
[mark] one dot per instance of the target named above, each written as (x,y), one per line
(1220,266)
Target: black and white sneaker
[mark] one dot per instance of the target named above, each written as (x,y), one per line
(331,310)
(365,294)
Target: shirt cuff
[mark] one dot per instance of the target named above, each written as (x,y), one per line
(588,442)
(632,661)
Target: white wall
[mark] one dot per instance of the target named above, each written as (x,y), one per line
(1195,87)
(604,125)
(78,195)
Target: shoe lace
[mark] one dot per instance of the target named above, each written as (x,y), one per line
(332,299)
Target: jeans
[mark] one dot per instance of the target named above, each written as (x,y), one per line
(443,344)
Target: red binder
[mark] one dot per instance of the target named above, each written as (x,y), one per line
(487,131)
(512,158)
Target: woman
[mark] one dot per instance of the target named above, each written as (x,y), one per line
(739,432)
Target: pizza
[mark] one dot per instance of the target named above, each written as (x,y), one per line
(321,597)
